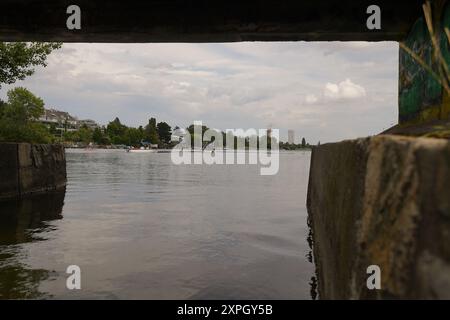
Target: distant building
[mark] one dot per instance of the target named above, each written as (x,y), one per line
(91,124)
(63,121)
(291,136)
(178,134)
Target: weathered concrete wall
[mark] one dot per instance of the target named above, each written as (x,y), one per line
(381,201)
(27,169)
(9,173)
(421,97)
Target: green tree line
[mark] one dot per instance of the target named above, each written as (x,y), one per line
(19,122)
(117,133)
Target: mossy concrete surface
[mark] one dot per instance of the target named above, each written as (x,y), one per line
(422,98)
(382,201)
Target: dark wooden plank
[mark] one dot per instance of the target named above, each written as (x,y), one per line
(204,20)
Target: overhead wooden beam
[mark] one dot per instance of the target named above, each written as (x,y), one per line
(205,20)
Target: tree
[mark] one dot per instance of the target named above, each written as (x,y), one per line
(116,131)
(142,132)
(31,133)
(23,106)
(151,133)
(18,59)
(133,136)
(97,135)
(18,118)
(2,107)
(303,143)
(164,132)
(84,134)
(192,128)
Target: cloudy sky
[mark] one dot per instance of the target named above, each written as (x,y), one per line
(325,91)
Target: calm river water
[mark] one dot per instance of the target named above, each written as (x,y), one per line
(140,227)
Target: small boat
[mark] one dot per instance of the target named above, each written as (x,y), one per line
(146,147)
(141,150)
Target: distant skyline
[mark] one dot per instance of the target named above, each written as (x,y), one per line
(324,91)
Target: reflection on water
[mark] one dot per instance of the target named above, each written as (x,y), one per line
(141,227)
(23,221)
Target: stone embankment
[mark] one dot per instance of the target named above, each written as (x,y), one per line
(27,169)
(382,201)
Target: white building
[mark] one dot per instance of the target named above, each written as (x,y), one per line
(63,121)
(178,134)
(291,136)
(91,124)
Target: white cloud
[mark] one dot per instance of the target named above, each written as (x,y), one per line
(344,90)
(311,99)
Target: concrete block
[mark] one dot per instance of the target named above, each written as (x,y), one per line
(28,169)
(381,201)
(9,179)
(42,168)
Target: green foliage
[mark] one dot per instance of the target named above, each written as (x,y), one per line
(134,136)
(192,128)
(23,106)
(2,107)
(164,132)
(85,134)
(119,134)
(293,146)
(99,137)
(116,131)
(151,132)
(18,59)
(19,114)
(30,132)
(18,118)
(303,142)
(82,135)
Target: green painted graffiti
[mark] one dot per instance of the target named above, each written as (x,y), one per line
(419,91)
